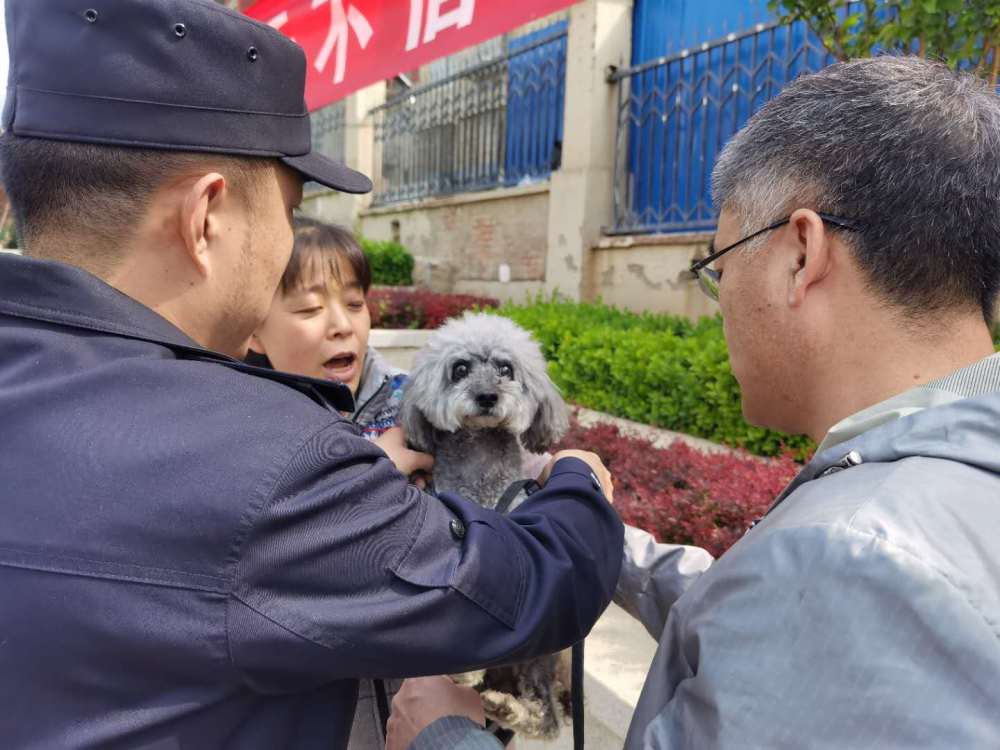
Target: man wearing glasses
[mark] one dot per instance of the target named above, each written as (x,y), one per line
(857,274)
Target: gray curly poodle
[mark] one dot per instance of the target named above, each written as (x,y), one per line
(479,398)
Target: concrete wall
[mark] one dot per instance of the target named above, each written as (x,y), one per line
(332,207)
(460,242)
(398,347)
(639,272)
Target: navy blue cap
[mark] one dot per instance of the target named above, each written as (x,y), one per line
(185,75)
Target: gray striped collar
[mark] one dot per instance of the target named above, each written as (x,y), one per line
(977,379)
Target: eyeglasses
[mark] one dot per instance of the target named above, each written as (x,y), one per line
(708,278)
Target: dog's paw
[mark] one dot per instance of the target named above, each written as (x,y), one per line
(470,679)
(504,709)
(525,716)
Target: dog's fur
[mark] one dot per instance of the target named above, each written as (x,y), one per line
(477,417)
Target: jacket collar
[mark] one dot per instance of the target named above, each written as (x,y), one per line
(65,295)
(965,429)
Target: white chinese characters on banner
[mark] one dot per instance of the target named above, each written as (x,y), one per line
(342,22)
(458,17)
(279,20)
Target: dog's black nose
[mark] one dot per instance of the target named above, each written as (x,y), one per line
(486,400)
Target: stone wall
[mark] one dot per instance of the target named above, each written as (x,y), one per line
(461,242)
(332,207)
(640,272)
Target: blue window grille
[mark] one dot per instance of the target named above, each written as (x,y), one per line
(676,112)
(492,124)
(536,86)
(663,27)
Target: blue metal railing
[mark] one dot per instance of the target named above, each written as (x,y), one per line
(496,123)
(676,113)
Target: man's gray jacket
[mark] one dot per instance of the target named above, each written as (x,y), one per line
(862,612)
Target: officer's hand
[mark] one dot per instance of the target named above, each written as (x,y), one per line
(407,461)
(423,700)
(593,461)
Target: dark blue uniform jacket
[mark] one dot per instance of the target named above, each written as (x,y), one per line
(198,554)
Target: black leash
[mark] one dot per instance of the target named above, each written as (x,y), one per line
(529,487)
(382,703)
(576,695)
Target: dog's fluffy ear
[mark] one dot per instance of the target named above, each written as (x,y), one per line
(551,418)
(418,395)
(419,432)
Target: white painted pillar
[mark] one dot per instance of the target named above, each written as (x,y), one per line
(359,154)
(600,34)
(359,143)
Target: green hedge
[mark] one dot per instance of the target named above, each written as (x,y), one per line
(391,263)
(657,369)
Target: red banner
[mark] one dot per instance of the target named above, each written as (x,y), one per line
(353,43)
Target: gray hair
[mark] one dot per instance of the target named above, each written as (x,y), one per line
(904,146)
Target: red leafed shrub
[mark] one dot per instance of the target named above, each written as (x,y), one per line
(404,308)
(682,495)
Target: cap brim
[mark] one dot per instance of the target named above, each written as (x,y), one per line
(318,168)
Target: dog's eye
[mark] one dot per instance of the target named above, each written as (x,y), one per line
(459,371)
(506,371)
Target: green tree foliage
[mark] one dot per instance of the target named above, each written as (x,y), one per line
(961,32)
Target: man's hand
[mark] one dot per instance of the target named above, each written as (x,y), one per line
(407,461)
(593,461)
(422,701)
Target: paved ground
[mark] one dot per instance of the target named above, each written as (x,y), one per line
(618,654)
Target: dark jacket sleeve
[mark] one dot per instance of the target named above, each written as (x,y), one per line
(347,571)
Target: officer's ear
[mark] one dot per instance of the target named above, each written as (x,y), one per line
(199,220)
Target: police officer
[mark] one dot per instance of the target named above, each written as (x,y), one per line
(195,553)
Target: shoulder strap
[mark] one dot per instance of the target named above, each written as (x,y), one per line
(528,486)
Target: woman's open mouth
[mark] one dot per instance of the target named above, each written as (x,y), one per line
(341,367)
